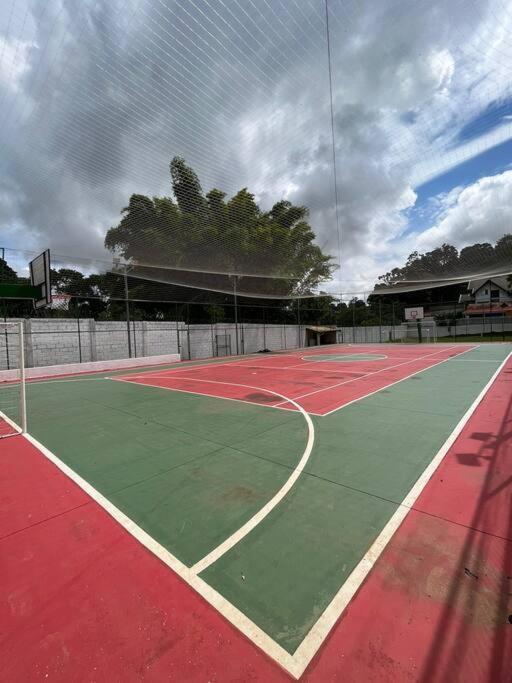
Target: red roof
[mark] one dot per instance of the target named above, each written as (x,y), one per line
(480,309)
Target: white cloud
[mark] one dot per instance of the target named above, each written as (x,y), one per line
(244,97)
(481,212)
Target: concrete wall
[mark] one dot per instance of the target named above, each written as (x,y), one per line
(56,341)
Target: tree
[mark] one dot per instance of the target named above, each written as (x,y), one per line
(200,240)
(7,274)
(444,263)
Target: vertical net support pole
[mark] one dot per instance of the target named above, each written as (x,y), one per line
(264,330)
(299,345)
(127,306)
(23,398)
(380,321)
(236,313)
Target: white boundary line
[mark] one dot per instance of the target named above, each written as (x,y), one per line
(198,393)
(311,643)
(377,372)
(253,632)
(392,384)
(281,405)
(17,430)
(256,519)
(295,664)
(381,356)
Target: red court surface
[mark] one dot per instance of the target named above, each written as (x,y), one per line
(82,600)
(318,385)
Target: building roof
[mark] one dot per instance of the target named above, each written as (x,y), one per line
(496,309)
(501,282)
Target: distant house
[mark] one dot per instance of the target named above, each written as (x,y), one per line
(491,296)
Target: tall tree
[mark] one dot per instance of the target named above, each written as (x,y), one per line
(199,240)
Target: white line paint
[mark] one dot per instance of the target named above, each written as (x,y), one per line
(226,545)
(311,643)
(392,384)
(377,372)
(350,358)
(253,632)
(17,429)
(269,368)
(199,393)
(297,663)
(256,519)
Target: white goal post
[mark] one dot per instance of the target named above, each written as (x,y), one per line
(13,402)
(428,329)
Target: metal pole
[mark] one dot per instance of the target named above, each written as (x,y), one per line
(127,306)
(188,331)
(490,310)
(380,321)
(298,322)
(23,398)
(264,330)
(134,339)
(236,313)
(353,322)
(177,332)
(393,318)
(6,337)
(79,336)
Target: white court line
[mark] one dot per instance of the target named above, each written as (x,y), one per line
(257,518)
(295,664)
(10,422)
(392,384)
(380,356)
(376,372)
(198,393)
(270,368)
(316,636)
(253,632)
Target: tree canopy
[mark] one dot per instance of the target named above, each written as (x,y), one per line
(198,236)
(447,262)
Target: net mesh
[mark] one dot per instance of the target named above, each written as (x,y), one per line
(271,149)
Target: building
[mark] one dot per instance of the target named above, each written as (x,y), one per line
(491,296)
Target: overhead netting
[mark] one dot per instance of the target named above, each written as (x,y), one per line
(278,148)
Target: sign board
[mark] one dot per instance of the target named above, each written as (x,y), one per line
(415,313)
(40,277)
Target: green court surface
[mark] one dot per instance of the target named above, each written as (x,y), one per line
(191,469)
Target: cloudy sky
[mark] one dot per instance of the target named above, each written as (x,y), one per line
(96,96)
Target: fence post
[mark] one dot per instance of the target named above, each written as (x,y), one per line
(177,331)
(264,330)
(236,314)
(92,339)
(23,400)
(134,339)
(299,345)
(79,335)
(127,310)
(28,345)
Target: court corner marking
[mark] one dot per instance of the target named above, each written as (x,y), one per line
(326,622)
(230,612)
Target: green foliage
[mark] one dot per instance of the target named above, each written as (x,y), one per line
(446,261)
(212,233)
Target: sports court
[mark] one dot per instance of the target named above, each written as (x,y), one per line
(269,484)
